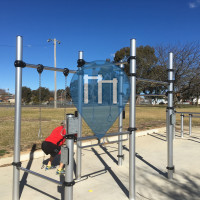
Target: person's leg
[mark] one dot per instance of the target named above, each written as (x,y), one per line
(60,170)
(50,161)
(61,166)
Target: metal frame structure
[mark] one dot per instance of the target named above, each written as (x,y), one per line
(69,182)
(190,115)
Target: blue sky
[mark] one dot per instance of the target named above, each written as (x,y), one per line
(98,27)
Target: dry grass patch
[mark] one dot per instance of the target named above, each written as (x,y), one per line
(146,118)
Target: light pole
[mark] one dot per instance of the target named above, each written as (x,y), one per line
(55,92)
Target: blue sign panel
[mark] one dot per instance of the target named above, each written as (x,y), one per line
(100,91)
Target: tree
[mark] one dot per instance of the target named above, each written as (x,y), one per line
(147,67)
(45,95)
(61,93)
(186,65)
(26,95)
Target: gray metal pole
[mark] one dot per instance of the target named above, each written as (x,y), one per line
(79,143)
(174,126)
(170,166)
(120,122)
(18,96)
(190,124)
(182,121)
(167,124)
(69,169)
(55,85)
(132,119)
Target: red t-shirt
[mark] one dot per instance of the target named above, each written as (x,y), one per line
(56,135)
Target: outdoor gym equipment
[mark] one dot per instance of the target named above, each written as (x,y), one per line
(69,182)
(190,115)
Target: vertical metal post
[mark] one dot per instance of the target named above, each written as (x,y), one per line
(132,111)
(69,168)
(182,121)
(167,124)
(80,97)
(120,122)
(170,166)
(174,126)
(55,86)
(18,97)
(190,124)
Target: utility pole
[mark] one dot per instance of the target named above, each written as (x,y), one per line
(55,86)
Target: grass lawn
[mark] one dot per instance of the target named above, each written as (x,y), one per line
(147,117)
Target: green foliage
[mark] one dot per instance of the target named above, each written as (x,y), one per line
(45,95)
(146,67)
(3,152)
(61,93)
(26,95)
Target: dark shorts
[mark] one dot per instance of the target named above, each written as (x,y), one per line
(50,148)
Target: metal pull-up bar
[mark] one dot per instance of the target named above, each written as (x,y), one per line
(49,68)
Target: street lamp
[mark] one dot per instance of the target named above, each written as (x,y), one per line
(55,92)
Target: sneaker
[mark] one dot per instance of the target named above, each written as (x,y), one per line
(61,171)
(49,167)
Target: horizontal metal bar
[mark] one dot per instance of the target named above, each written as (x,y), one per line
(49,68)
(41,176)
(151,95)
(192,116)
(87,138)
(107,135)
(194,113)
(116,134)
(103,143)
(152,81)
(92,145)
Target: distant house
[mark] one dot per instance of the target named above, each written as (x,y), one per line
(11,100)
(195,101)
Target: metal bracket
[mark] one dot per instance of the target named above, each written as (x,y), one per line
(66,71)
(80,62)
(68,184)
(40,68)
(132,74)
(19,63)
(171,81)
(121,156)
(171,168)
(170,70)
(130,58)
(170,108)
(17,164)
(132,129)
(71,136)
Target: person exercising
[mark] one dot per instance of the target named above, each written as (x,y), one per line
(52,145)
